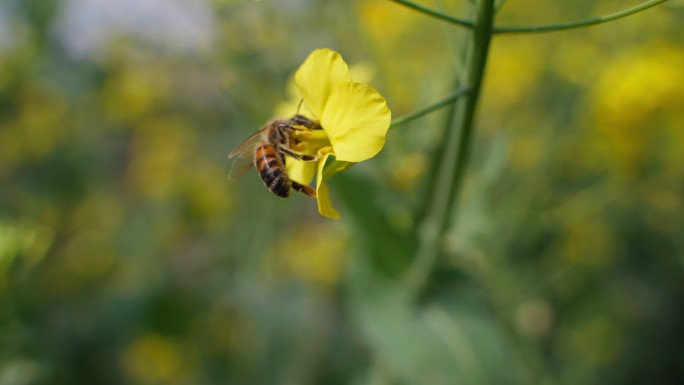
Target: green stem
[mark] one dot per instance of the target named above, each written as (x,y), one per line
(581,23)
(433,107)
(437,14)
(334,167)
(454,161)
(438,153)
(498,5)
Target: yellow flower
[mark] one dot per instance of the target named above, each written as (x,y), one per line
(354,117)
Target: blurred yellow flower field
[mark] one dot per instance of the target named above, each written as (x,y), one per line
(515,219)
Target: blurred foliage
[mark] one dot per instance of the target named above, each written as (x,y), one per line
(126,256)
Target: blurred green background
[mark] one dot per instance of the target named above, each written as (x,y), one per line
(127,257)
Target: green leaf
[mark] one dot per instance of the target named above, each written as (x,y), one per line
(436,343)
(388,248)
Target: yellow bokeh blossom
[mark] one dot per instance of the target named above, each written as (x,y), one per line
(353,116)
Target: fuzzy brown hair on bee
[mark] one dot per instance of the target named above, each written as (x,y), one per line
(266,150)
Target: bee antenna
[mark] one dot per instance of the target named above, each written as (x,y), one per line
(301,101)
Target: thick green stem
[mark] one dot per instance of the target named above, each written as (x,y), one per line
(454,161)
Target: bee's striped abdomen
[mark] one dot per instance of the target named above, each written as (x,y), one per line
(268,161)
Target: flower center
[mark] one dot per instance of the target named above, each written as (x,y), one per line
(309,141)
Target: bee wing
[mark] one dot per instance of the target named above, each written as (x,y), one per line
(244,155)
(239,167)
(245,148)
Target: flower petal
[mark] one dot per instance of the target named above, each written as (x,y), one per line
(317,76)
(356,119)
(300,171)
(325,207)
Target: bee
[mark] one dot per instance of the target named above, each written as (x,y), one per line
(266,150)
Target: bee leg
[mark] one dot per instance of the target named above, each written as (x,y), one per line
(308,190)
(297,129)
(300,120)
(298,156)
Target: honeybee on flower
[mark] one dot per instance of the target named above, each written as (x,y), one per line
(339,118)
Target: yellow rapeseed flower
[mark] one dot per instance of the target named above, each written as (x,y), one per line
(354,117)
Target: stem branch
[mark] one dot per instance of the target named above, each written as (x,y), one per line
(431,108)
(437,14)
(581,23)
